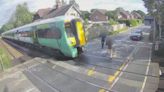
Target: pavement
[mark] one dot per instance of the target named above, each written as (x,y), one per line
(130,70)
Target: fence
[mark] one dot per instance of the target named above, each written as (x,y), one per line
(96,29)
(118,27)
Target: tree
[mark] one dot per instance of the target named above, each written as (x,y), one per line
(156,9)
(150,5)
(22,15)
(112,15)
(7,27)
(85,14)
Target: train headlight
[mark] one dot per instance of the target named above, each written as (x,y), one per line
(72,41)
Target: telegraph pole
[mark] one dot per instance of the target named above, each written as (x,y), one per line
(159,18)
(154,32)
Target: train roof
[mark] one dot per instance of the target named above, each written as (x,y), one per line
(60,18)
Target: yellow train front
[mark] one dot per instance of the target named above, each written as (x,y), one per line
(76,34)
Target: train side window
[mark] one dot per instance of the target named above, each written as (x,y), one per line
(25,32)
(54,32)
(51,32)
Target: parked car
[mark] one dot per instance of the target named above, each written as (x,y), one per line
(136,35)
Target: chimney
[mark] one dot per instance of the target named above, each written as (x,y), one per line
(58,4)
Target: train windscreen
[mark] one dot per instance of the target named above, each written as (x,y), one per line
(70,34)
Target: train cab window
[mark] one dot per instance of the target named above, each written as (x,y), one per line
(69,30)
(50,32)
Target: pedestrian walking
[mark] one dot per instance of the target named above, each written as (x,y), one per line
(103,38)
(109,43)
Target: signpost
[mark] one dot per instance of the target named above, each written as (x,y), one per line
(157,45)
(1,62)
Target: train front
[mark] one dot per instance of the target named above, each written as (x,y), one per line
(75,34)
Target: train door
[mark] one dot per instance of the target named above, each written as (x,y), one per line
(35,35)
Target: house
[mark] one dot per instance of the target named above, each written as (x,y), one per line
(41,13)
(122,14)
(98,15)
(60,9)
(136,15)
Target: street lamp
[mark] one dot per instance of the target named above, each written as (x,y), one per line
(158,3)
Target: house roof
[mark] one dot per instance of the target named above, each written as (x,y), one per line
(43,12)
(103,11)
(60,11)
(136,14)
(124,13)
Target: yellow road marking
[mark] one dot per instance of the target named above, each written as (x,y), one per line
(91,72)
(123,65)
(112,78)
(102,90)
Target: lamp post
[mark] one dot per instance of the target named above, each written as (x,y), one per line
(158,3)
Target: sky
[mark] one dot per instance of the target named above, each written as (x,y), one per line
(7,7)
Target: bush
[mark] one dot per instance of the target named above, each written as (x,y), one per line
(131,22)
(112,22)
(123,21)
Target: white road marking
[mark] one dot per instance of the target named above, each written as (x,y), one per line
(147,71)
(128,58)
(30,90)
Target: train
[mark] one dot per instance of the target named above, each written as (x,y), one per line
(65,34)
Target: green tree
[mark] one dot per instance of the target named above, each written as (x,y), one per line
(22,15)
(156,9)
(112,22)
(85,14)
(112,15)
(7,26)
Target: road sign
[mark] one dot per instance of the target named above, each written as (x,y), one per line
(156,45)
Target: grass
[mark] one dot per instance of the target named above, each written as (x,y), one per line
(5,60)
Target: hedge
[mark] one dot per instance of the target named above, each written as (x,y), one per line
(131,22)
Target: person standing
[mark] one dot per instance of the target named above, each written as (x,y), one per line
(103,38)
(109,43)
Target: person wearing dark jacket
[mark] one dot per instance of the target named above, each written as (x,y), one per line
(103,38)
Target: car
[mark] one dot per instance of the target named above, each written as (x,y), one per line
(136,35)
